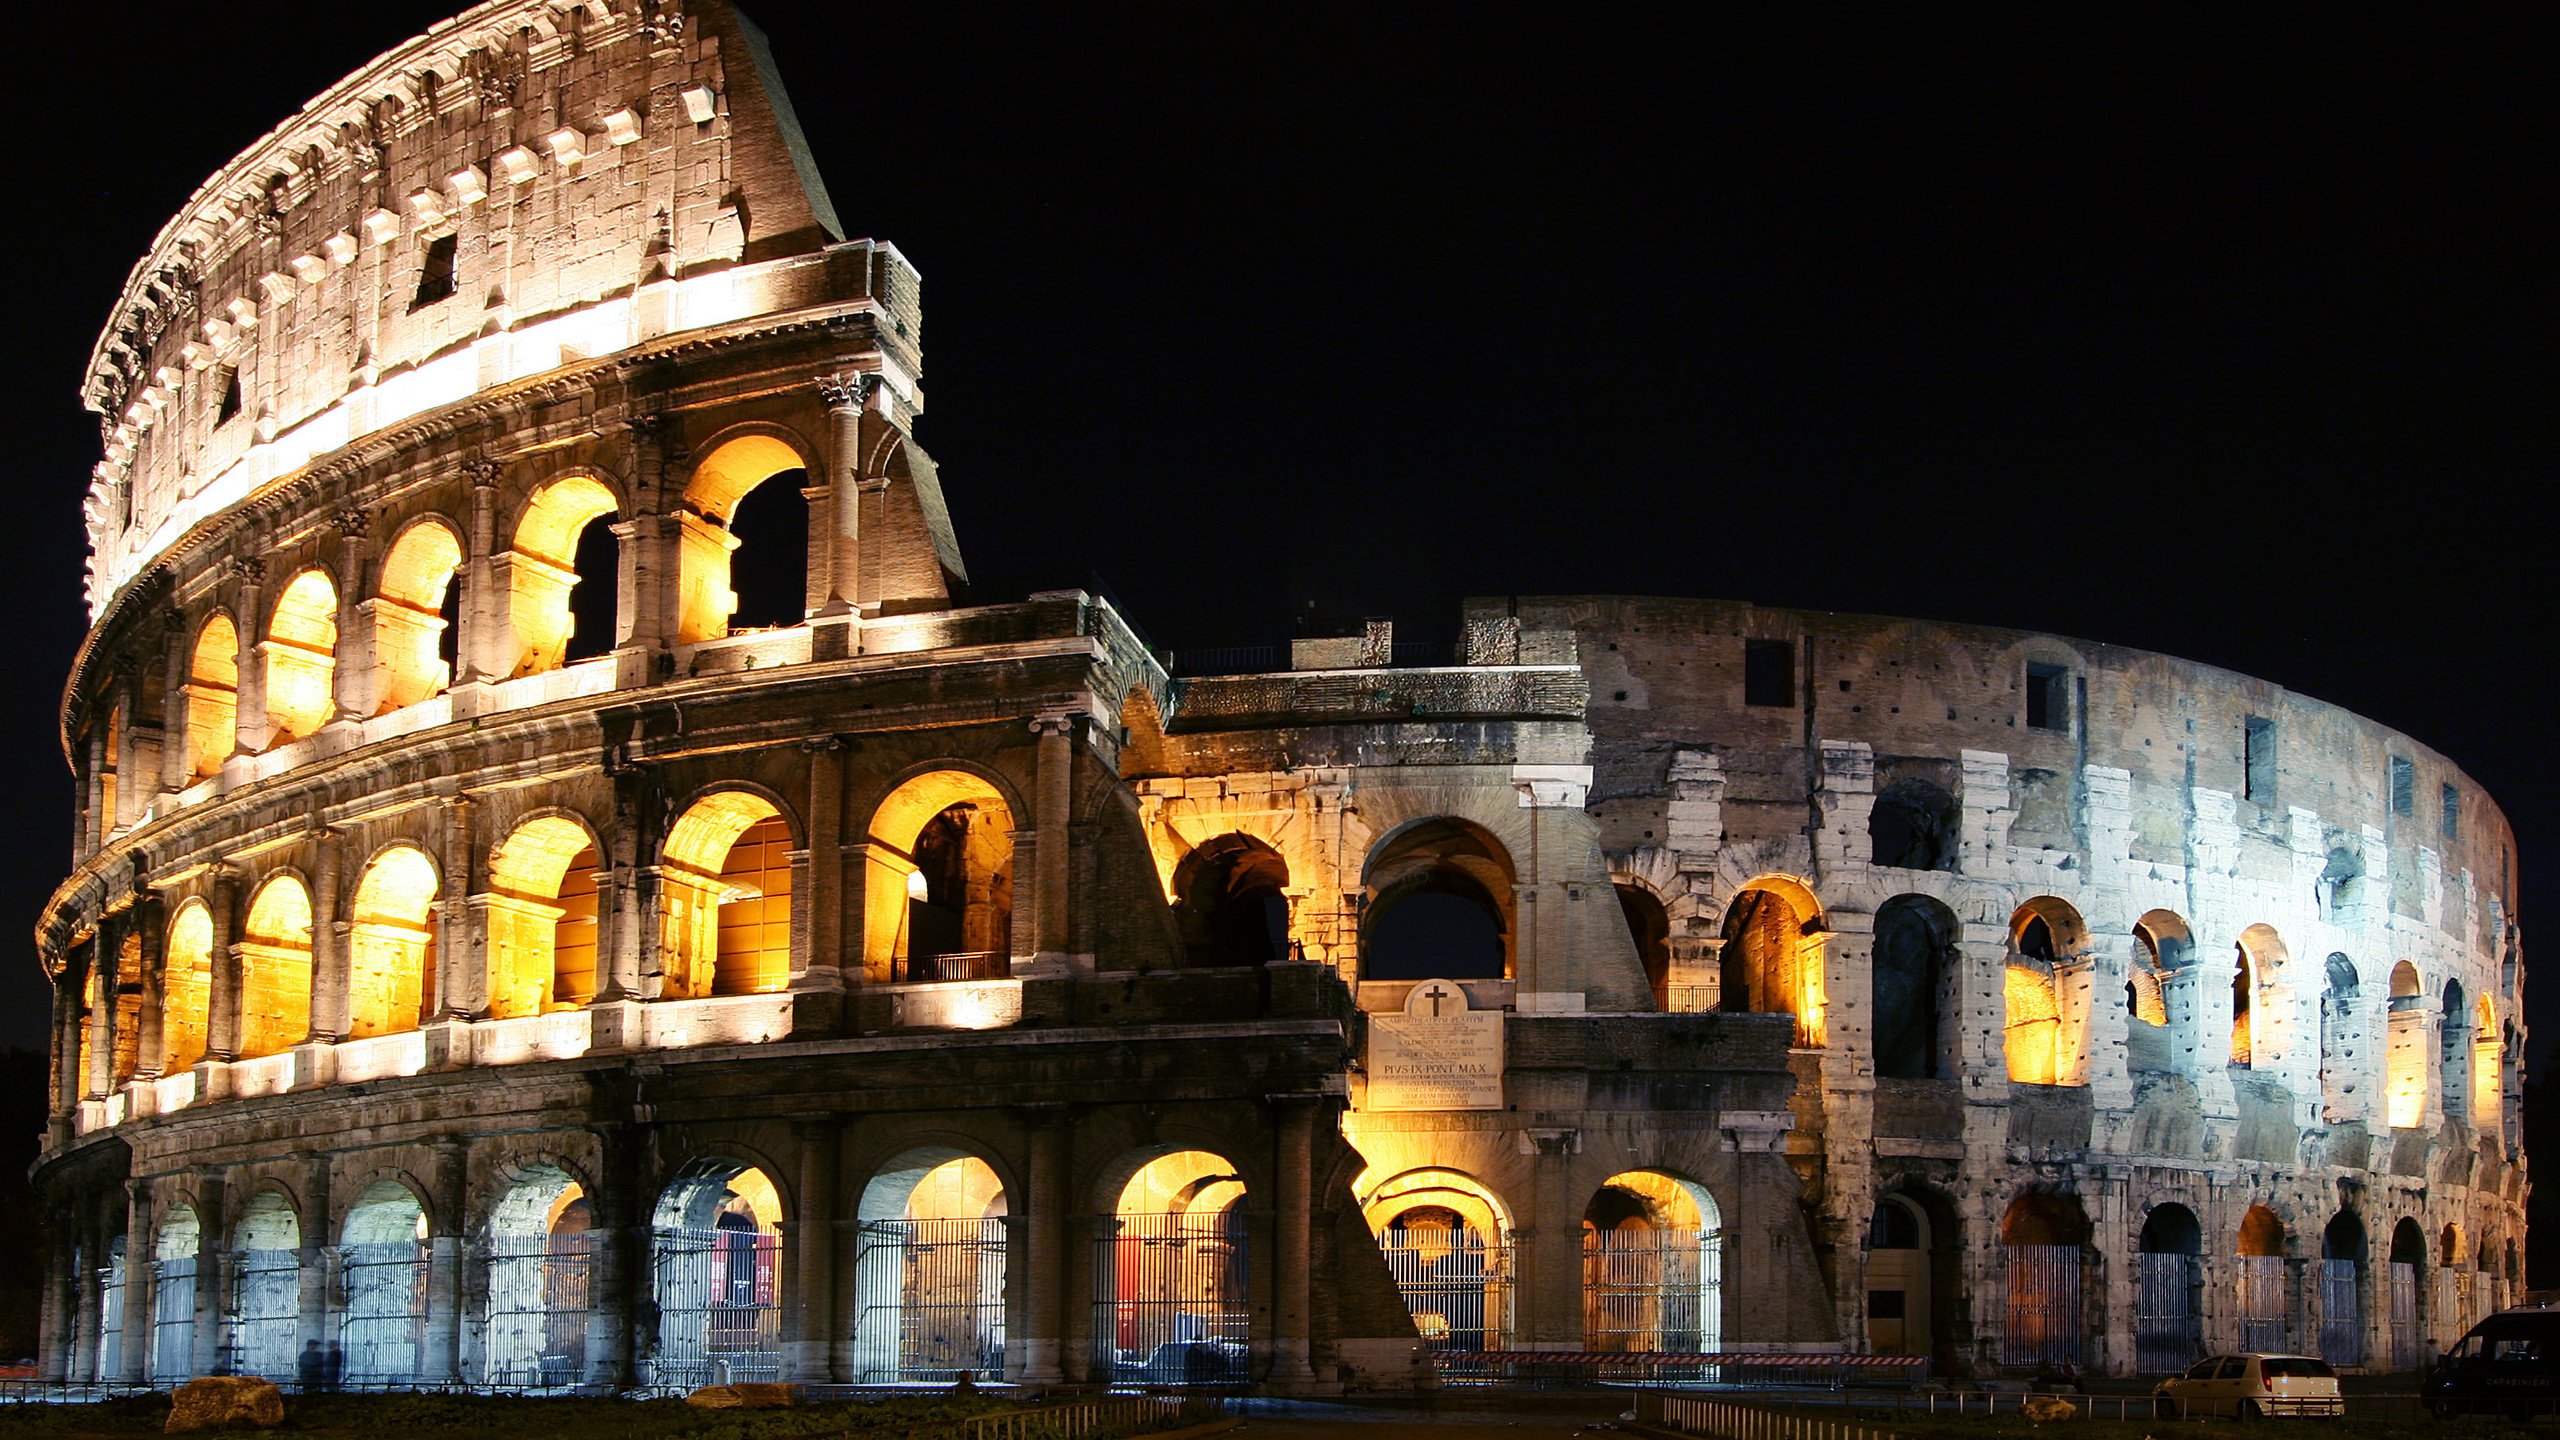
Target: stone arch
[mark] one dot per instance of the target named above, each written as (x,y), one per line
(2488,1096)
(1649,926)
(265,1318)
(212,696)
(2342,1041)
(2454,1053)
(540,1233)
(1772,961)
(391,943)
(2169,1295)
(1913,826)
(1231,902)
(1446,1238)
(1652,1265)
(1900,1303)
(724,896)
(2258,958)
(275,967)
(176,1246)
(1440,903)
(558,547)
(2045,1012)
(2262,1303)
(186,987)
(2044,1237)
(2160,997)
(939,876)
(2405,1062)
(2410,1302)
(414,612)
(541,909)
(2342,1300)
(716,1271)
(382,1251)
(930,1275)
(732,466)
(301,657)
(1173,1281)
(1917,982)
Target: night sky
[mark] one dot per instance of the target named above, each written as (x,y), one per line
(2238,352)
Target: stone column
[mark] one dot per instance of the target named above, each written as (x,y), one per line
(315,1281)
(222,1008)
(249,735)
(616,1258)
(845,395)
(53,1341)
(818,990)
(151,922)
(355,682)
(213,1272)
(69,1001)
(462,981)
(809,1325)
(141,1232)
(1033,1354)
(480,600)
(1550,1249)
(330,960)
(85,1241)
(648,539)
(441,1356)
(175,726)
(1056,798)
(1291,1324)
(105,951)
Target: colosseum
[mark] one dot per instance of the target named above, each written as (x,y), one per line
(497,953)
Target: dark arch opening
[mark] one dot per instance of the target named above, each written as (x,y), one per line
(2172,1230)
(1234,906)
(1442,925)
(595,596)
(1913,827)
(1915,941)
(1650,927)
(771,525)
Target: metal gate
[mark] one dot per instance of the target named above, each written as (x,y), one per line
(266,1313)
(2262,1324)
(932,1300)
(719,1318)
(111,1317)
(1171,1304)
(2044,1305)
(2341,1313)
(1456,1285)
(385,1317)
(2168,1332)
(2404,1316)
(538,1311)
(173,1319)
(2446,1317)
(1652,1290)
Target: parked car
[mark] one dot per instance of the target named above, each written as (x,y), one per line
(2245,1387)
(2508,1364)
(1189,1362)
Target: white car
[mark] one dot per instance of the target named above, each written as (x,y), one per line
(2245,1387)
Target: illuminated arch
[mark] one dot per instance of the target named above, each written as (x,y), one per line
(1649,926)
(2043,1025)
(1446,1237)
(275,968)
(2405,1088)
(535,1307)
(2043,1238)
(176,1249)
(301,657)
(1773,954)
(716,1264)
(930,1278)
(186,987)
(409,627)
(724,477)
(1173,1284)
(1231,902)
(2488,1091)
(382,1268)
(541,910)
(391,944)
(724,898)
(2160,997)
(2263,1304)
(2256,1031)
(213,696)
(543,574)
(266,1292)
(1652,1265)
(938,882)
(1440,904)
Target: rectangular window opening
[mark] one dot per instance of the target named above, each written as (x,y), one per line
(1768,672)
(2404,787)
(2048,697)
(2258,759)
(435,275)
(2452,813)
(227,400)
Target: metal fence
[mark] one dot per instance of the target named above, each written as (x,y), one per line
(2044,1306)
(266,1312)
(173,1319)
(385,1318)
(1170,1300)
(1653,1290)
(719,1316)
(1456,1284)
(2262,1326)
(2341,1312)
(538,1311)
(111,1316)
(931,1294)
(2404,1316)
(2168,1328)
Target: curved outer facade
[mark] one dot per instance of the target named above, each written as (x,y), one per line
(920,986)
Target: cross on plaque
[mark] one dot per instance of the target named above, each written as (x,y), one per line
(1435,995)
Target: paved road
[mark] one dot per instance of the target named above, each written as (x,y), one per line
(1531,1417)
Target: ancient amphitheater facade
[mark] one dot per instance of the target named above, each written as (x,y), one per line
(488,956)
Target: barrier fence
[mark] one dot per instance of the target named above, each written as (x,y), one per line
(1672,1368)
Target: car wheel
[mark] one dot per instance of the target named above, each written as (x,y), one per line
(2248,1411)
(2441,1406)
(2163,1408)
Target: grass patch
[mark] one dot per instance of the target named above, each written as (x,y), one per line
(486,1417)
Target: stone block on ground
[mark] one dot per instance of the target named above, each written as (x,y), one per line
(216,1401)
(754,1396)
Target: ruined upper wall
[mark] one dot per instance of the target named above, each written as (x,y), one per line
(531,185)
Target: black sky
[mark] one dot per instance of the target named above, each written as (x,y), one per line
(2193,343)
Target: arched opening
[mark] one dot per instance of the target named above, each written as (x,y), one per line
(2405,1086)
(2342,1290)
(391,947)
(938,886)
(2256,1033)
(1772,957)
(2454,1055)
(1649,925)
(2487,1093)
(713,525)
(1447,1240)
(1652,1266)
(541,909)
(173,1293)
(2041,1027)
(1913,827)
(275,968)
(2408,1272)
(266,1287)
(382,1270)
(186,987)
(213,697)
(2168,1316)
(929,1279)
(539,1262)
(2454,1284)
(2261,1280)
(2159,997)
(412,638)
(563,576)
(1899,1307)
(1172,1283)
(1916,994)
(1439,905)
(724,897)
(301,651)
(1231,903)
(2043,1236)
(2341,1043)
(111,1303)
(716,1248)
